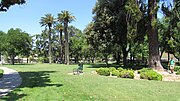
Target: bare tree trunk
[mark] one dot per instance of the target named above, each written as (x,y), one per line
(154,58)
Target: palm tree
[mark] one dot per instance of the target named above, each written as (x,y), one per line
(59,28)
(154,58)
(48,20)
(65,17)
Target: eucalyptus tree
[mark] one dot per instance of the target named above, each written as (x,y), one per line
(66,17)
(48,20)
(5,4)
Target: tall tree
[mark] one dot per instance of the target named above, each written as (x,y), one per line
(59,28)
(48,20)
(17,43)
(5,4)
(154,58)
(66,17)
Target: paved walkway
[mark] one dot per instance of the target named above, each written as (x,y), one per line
(10,80)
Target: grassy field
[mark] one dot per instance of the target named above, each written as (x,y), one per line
(44,82)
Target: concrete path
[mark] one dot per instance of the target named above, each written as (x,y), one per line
(10,80)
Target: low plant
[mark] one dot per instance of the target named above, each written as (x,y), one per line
(126,74)
(115,73)
(1,73)
(144,70)
(40,59)
(111,69)
(151,75)
(178,72)
(103,71)
(120,69)
(177,68)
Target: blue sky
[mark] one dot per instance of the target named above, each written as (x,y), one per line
(27,16)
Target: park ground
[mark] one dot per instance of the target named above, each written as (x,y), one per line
(45,82)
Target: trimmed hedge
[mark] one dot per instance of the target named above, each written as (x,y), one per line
(178,72)
(126,74)
(111,69)
(115,73)
(1,73)
(120,69)
(177,68)
(151,75)
(103,71)
(144,70)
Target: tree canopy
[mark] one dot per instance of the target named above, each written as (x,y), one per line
(5,4)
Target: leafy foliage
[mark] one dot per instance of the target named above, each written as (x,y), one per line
(150,75)
(5,4)
(126,74)
(115,73)
(103,71)
(16,42)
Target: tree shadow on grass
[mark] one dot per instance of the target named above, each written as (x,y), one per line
(13,96)
(31,80)
(37,79)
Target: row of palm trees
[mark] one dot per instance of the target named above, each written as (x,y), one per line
(61,24)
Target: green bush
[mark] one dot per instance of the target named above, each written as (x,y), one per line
(178,72)
(144,70)
(150,75)
(103,71)
(115,73)
(177,68)
(1,73)
(120,69)
(126,74)
(40,59)
(111,69)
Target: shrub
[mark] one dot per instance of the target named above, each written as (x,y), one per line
(41,60)
(177,68)
(178,72)
(1,73)
(111,69)
(144,70)
(115,73)
(120,69)
(150,75)
(126,74)
(103,71)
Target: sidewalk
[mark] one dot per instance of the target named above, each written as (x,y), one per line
(10,80)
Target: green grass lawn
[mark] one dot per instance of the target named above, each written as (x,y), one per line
(44,82)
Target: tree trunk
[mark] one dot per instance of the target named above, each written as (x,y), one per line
(12,59)
(61,47)
(154,58)
(118,57)
(50,57)
(106,60)
(125,54)
(66,43)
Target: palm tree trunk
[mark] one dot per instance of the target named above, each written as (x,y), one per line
(154,58)
(61,47)
(66,43)
(50,57)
